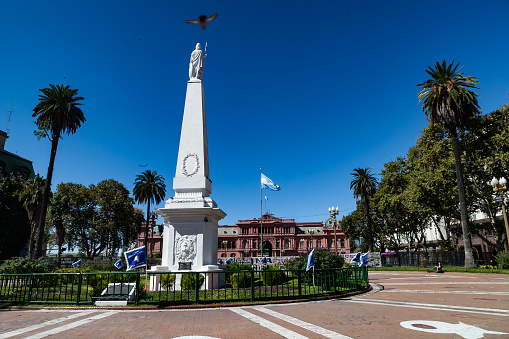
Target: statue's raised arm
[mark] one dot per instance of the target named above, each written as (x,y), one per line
(196,63)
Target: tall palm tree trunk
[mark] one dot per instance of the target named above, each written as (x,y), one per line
(467,242)
(146,228)
(368,219)
(45,196)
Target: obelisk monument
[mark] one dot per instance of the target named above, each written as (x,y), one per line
(191,216)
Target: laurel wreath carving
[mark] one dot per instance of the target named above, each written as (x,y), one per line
(184,169)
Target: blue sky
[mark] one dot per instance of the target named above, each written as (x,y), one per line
(307,90)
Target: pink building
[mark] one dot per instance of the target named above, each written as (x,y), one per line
(280,237)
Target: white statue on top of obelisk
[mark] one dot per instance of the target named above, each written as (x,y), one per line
(196,63)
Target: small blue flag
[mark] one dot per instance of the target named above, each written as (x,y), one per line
(311,260)
(229,261)
(364,260)
(136,258)
(264,260)
(77,263)
(118,264)
(267,183)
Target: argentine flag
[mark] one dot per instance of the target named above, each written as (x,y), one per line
(267,183)
(228,261)
(136,258)
(77,263)
(311,260)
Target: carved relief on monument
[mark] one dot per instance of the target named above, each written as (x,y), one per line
(185,248)
(190,165)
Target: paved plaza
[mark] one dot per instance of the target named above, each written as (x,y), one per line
(401,305)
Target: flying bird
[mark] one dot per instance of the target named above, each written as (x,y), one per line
(202,20)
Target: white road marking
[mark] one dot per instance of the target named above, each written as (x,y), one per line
(454,283)
(44,324)
(463,309)
(268,324)
(446,292)
(71,325)
(310,327)
(461,329)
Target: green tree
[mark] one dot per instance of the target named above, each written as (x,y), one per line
(447,100)
(149,187)
(14,222)
(487,147)
(363,184)
(430,170)
(31,197)
(57,216)
(100,217)
(57,112)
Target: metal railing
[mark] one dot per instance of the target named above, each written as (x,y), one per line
(179,288)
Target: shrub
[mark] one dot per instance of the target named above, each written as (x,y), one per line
(273,276)
(167,281)
(323,259)
(98,266)
(188,281)
(25,265)
(240,279)
(502,260)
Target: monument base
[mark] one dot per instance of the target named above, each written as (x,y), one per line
(215,277)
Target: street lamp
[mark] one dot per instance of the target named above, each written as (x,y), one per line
(500,187)
(333,212)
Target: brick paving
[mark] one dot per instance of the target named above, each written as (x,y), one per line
(432,302)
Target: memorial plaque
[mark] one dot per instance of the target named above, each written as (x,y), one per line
(184,266)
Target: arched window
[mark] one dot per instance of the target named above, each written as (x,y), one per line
(342,243)
(232,255)
(244,243)
(223,255)
(287,243)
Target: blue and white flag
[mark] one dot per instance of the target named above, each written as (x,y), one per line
(77,263)
(228,261)
(267,183)
(118,264)
(311,260)
(364,260)
(136,258)
(357,257)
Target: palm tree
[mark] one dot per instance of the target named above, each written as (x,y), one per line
(57,215)
(149,187)
(57,112)
(31,197)
(447,100)
(364,184)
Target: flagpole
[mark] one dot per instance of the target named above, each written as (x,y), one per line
(261,214)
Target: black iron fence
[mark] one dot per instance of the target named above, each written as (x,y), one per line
(179,287)
(431,258)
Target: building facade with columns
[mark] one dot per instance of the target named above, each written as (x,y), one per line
(281,237)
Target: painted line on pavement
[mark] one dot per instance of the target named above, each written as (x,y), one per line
(446,292)
(305,325)
(71,325)
(436,307)
(44,324)
(454,283)
(268,324)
